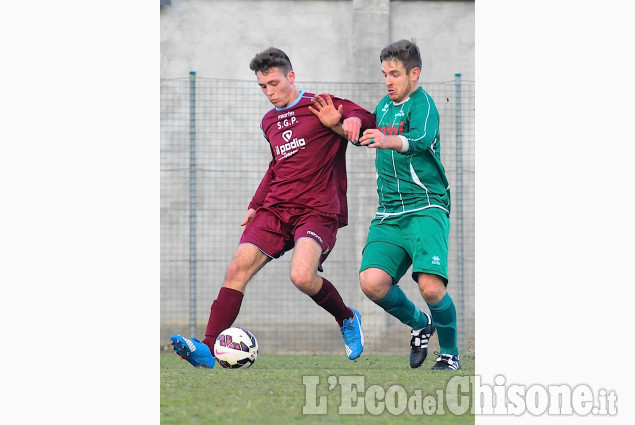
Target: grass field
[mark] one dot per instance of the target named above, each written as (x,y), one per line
(272,391)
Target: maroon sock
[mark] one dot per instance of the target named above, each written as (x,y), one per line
(222,314)
(330,300)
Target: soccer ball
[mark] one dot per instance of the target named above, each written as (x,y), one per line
(236,348)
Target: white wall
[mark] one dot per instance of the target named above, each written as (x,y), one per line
(218,38)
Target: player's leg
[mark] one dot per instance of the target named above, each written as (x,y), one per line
(383,264)
(248,259)
(303,274)
(429,232)
(262,240)
(261,235)
(304,266)
(314,239)
(443,312)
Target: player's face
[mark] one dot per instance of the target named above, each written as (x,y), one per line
(398,82)
(278,87)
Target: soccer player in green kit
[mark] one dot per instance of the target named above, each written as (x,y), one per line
(412,222)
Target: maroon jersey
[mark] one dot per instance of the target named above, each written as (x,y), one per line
(308,168)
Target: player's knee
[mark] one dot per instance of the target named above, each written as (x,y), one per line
(234,269)
(302,278)
(235,277)
(432,297)
(432,288)
(373,284)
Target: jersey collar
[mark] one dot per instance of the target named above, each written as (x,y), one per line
(406,99)
(292,104)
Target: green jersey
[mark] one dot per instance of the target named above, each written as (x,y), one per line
(415,179)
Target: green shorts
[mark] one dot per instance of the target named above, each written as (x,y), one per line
(418,238)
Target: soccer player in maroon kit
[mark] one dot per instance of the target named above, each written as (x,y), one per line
(300,203)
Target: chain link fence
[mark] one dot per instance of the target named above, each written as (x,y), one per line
(213,156)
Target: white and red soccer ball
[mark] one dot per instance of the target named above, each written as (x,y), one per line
(236,348)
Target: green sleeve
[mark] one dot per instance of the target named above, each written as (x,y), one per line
(423,124)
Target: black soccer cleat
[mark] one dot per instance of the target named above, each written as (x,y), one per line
(419,343)
(446,362)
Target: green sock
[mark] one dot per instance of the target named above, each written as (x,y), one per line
(444,317)
(398,305)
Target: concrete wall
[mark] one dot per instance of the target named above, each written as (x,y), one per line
(327,40)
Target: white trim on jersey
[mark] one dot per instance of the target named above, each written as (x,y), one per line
(381,201)
(415,179)
(403,207)
(425,126)
(387,215)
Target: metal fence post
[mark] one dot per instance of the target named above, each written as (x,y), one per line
(459,212)
(192,204)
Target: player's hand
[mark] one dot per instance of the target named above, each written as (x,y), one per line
(248,217)
(373,138)
(351,127)
(324,109)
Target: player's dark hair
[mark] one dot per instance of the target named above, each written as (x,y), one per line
(403,50)
(271,58)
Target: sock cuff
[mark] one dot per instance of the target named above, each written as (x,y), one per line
(452,350)
(445,302)
(230,293)
(397,304)
(394,293)
(324,291)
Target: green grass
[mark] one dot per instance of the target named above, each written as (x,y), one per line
(272,390)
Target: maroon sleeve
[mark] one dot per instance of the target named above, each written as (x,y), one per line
(263,188)
(354,110)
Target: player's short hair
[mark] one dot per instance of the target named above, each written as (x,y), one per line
(271,58)
(404,50)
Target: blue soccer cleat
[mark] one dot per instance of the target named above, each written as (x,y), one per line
(353,335)
(193,350)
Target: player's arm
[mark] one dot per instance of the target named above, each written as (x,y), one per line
(251,213)
(358,120)
(329,115)
(373,138)
(423,120)
(342,116)
(423,130)
(258,200)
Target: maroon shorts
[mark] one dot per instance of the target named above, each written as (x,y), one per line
(276,230)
